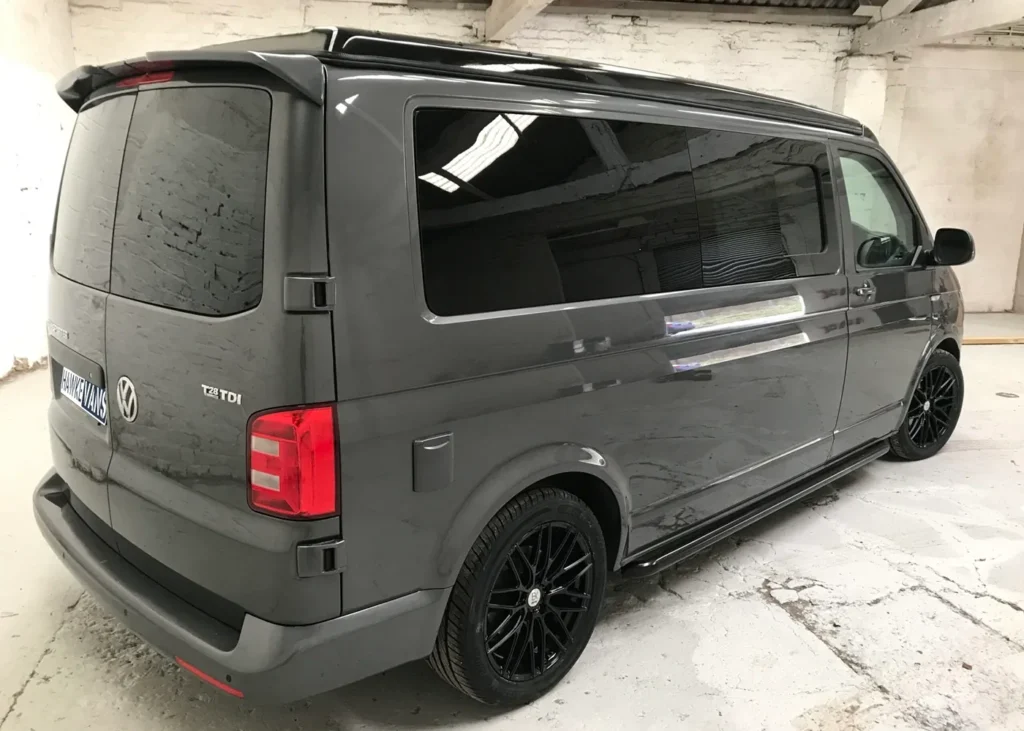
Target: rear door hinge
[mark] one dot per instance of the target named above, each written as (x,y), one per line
(321,558)
(309,293)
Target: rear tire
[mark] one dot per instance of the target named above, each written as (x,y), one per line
(526,601)
(934,409)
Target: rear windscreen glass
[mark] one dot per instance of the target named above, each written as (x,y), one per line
(188,232)
(85,211)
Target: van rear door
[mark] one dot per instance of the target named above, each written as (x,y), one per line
(220,201)
(78,414)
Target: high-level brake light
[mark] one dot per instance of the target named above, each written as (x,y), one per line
(154,77)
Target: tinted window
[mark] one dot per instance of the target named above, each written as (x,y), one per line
(884,231)
(85,211)
(758,205)
(520,210)
(524,210)
(189,227)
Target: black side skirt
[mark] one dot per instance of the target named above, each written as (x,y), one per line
(695,540)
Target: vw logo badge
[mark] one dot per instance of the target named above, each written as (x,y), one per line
(126,400)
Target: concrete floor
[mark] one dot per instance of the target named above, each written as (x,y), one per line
(994,325)
(891,601)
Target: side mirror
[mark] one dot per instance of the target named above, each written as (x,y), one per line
(952,246)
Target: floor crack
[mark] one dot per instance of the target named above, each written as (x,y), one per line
(981,594)
(46,651)
(958,610)
(796,612)
(970,617)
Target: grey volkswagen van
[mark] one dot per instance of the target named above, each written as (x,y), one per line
(367,348)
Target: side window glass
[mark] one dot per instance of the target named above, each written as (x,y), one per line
(521,210)
(759,205)
(884,230)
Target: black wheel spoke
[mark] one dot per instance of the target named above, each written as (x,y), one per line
(526,561)
(520,584)
(562,625)
(543,643)
(566,569)
(503,607)
(530,626)
(581,566)
(514,645)
(540,556)
(557,561)
(502,626)
(931,412)
(522,642)
(550,633)
(570,610)
(562,591)
(533,647)
(513,632)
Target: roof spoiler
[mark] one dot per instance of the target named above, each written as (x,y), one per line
(304,73)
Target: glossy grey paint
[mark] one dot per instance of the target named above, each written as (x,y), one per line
(268,662)
(892,329)
(598,388)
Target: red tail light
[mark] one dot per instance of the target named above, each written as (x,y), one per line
(291,463)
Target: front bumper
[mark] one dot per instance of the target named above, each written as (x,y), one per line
(267,662)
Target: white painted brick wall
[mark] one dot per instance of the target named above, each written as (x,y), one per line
(961,148)
(35,46)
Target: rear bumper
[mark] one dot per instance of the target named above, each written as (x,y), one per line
(266,662)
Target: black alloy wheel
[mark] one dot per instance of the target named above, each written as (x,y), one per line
(932,406)
(538,599)
(934,409)
(526,600)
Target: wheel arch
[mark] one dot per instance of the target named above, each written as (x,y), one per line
(579,470)
(940,340)
(950,345)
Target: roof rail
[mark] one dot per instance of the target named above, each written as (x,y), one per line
(374,49)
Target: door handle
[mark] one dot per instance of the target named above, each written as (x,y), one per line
(865,290)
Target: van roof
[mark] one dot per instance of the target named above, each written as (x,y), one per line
(283,56)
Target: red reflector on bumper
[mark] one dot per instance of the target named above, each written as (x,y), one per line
(209,679)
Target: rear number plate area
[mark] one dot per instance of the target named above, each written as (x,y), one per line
(84,394)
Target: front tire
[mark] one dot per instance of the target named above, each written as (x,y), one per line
(934,409)
(526,601)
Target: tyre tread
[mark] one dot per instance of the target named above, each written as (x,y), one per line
(899,443)
(447,656)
